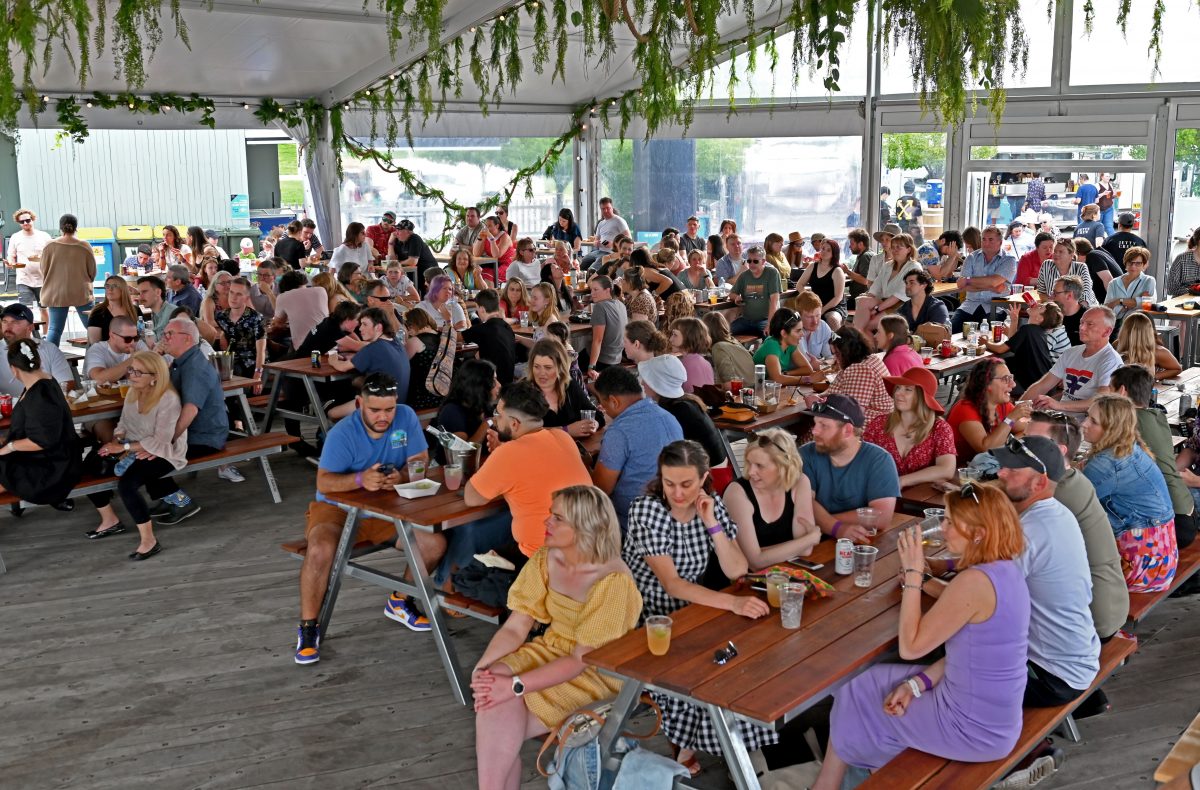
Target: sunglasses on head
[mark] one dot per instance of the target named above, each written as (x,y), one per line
(792,321)
(1015,445)
(968,490)
(821,408)
(375,388)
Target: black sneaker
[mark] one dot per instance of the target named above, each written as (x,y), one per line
(178,513)
(160,510)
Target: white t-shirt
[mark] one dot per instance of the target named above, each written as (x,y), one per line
(609,229)
(345,254)
(456,313)
(1081,376)
(53,362)
(531,272)
(401,287)
(20,247)
(101,355)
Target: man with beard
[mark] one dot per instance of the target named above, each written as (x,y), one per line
(845,472)
(363,451)
(17,324)
(1064,649)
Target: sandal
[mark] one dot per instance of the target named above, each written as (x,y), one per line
(692,764)
(115,529)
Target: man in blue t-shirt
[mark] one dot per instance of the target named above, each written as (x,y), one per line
(378,355)
(365,451)
(845,472)
(1085,194)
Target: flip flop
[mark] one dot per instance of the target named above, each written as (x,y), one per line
(116,529)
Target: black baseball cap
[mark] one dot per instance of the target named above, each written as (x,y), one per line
(18,311)
(1028,452)
(405,224)
(838,407)
(1126,219)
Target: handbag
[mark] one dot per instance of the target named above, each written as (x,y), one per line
(441,370)
(576,761)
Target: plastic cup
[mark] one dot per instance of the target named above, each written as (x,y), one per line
(967,475)
(712,297)
(658,634)
(868,519)
(454,476)
(933,537)
(864,565)
(124,388)
(926,354)
(775,582)
(587,414)
(935,512)
(416,470)
(791,604)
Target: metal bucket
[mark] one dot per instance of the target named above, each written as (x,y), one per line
(468,459)
(223,362)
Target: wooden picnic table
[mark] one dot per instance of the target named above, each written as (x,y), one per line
(1175,312)
(777,673)
(302,370)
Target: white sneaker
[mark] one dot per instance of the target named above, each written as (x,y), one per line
(230,473)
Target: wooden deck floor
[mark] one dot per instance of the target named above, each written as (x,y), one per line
(177,672)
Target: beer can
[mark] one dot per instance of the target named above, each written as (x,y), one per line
(316,359)
(747,396)
(844,552)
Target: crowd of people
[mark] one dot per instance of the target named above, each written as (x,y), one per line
(651,517)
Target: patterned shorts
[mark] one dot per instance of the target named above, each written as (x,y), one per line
(1149,557)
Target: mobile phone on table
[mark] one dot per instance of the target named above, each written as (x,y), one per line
(806,564)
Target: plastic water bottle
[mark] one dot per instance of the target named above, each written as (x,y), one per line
(141,326)
(1185,399)
(124,464)
(985,330)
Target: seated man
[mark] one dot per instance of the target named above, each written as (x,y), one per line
(107,362)
(378,354)
(298,308)
(183,293)
(1067,293)
(152,296)
(845,472)
(638,430)
(496,340)
(357,455)
(1083,371)
(1064,648)
(202,416)
(16,321)
(986,274)
(757,291)
(519,445)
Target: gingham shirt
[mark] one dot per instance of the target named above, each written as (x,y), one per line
(863,381)
(1183,272)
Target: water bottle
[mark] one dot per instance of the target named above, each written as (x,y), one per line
(760,378)
(1185,399)
(985,330)
(141,329)
(124,464)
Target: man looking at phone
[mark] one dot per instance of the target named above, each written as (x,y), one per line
(363,452)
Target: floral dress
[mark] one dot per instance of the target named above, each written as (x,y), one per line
(243,336)
(940,441)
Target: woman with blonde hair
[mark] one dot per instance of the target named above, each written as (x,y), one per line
(215,298)
(580,588)
(146,439)
(773,249)
(1134,494)
(887,290)
(982,617)
(914,433)
(1138,344)
(327,282)
(117,301)
(514,299)
(550,371)
(696,276)
(543,311)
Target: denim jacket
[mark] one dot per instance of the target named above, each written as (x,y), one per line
(1131,489)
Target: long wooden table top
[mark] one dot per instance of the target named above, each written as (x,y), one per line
(444,510)
(1174,310)
(303,367)
(776,671)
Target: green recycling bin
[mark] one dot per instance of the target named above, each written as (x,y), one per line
(128,239)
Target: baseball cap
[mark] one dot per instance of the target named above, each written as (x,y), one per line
(838,407)
(390,215)
(18,311)
(1126,219)
(211,234)
(665,375)
(1033,452)
(405,224)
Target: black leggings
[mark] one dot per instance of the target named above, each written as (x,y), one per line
(165,486)
(140,473)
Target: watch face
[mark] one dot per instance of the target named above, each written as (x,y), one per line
(518,686)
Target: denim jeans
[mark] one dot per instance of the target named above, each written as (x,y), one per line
(58,320)
(747,326)
(1106,219)
(478,537)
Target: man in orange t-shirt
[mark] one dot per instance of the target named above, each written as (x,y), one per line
(527,464)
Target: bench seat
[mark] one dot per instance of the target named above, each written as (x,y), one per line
(1140,604)
(917,770)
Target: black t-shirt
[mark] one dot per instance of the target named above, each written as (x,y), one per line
(44,477)
(415,247)
(322,338)
(1100,261)
(497,344)
(696,426)
(101,319)
(569,411)
(673,288)
(1118,243)
(1029,356)
(1071,324)
(687,244)
(291,250)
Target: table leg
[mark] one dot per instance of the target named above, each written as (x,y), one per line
(276,388)
(736,756)
(315,400)
(427,594)
(618,717)
(1191,326)
(737,472)
(349,532)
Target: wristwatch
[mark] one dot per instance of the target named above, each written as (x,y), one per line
(127,445)
(518,686)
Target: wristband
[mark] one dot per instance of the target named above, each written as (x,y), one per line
(1008,421)
(714,529)
(358,479)
(837,525)
(914,687)
(925,679)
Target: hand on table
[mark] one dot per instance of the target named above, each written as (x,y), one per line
(749,606)
(856,533)
(896,703)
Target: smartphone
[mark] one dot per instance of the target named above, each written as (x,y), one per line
(806,564)
(387,469)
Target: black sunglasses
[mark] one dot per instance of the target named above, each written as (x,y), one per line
(820,408)
(126,338)
(1015,445)
(723,655)
(25,221)
(968,490)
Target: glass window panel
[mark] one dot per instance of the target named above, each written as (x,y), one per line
(466,169)
(912,186)
(1185,216)
(1135,153)
(1000,196)
(1106,57)
(766,185)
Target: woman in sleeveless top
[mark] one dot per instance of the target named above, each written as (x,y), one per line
(828,282)
(772,504)
(967,705)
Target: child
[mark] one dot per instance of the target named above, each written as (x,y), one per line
(495,338)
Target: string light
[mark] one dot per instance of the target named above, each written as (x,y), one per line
(87,104)
(245,105)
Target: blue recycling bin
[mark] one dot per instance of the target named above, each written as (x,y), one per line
(933,192)
(104,245)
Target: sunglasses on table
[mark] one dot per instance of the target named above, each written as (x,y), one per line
(1015,445)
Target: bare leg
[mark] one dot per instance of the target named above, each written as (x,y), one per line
(146,532)
(499,733)
(862,311)
(833,770)
(314,572)
(109,518)
(834,319)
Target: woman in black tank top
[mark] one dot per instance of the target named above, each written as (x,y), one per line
(825,277)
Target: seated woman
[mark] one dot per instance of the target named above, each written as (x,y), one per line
(891,337)
(681,548)
(658,278)
(689,339)
(922,306)
(40,459)
(577,586)
(494,242)
(984,416)
(1138,344)
(1127,292)
(982,618)
(514,299)
(730,358)
(827,281)
(565,230)
(772,502)
(1062,264)
(464,272)
(918,439)
(696,276)
(550,369)
(543,311)
(780,352)
(440,305)
(860,373)
(465,412)
(555,274)
(643,341)
(887,290)
(1134,494)
(662,379)
(147,426)
(421,346)
(1029,351)
(116,302)
(351,277)
(639,303)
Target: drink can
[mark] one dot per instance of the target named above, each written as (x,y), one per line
(747,396)
(998,334)
(316,359)
(844,552)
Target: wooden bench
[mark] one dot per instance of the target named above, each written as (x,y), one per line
(1140,604)
(455,602)
(918,770)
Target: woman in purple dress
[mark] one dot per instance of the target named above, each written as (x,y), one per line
(967,706)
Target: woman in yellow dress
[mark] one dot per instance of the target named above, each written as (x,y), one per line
(578,585)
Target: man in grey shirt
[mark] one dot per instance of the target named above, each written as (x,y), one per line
(608,326)
(1064,649)
(17,323)
(608,228)
(467,236)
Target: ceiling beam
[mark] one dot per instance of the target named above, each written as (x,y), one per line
(282,11)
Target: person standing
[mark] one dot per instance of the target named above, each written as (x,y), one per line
(1106,199)
(908,213)
(1085,194)
(1116,244)
(68,269)
(25,255)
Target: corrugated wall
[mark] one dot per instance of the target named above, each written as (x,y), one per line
(133,177)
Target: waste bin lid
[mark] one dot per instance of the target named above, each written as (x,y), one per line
(134,232)
(158,232)
(95,234)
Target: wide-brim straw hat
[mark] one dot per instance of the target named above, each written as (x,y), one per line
(920,378)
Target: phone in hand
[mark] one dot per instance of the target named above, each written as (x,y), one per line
(386,469)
